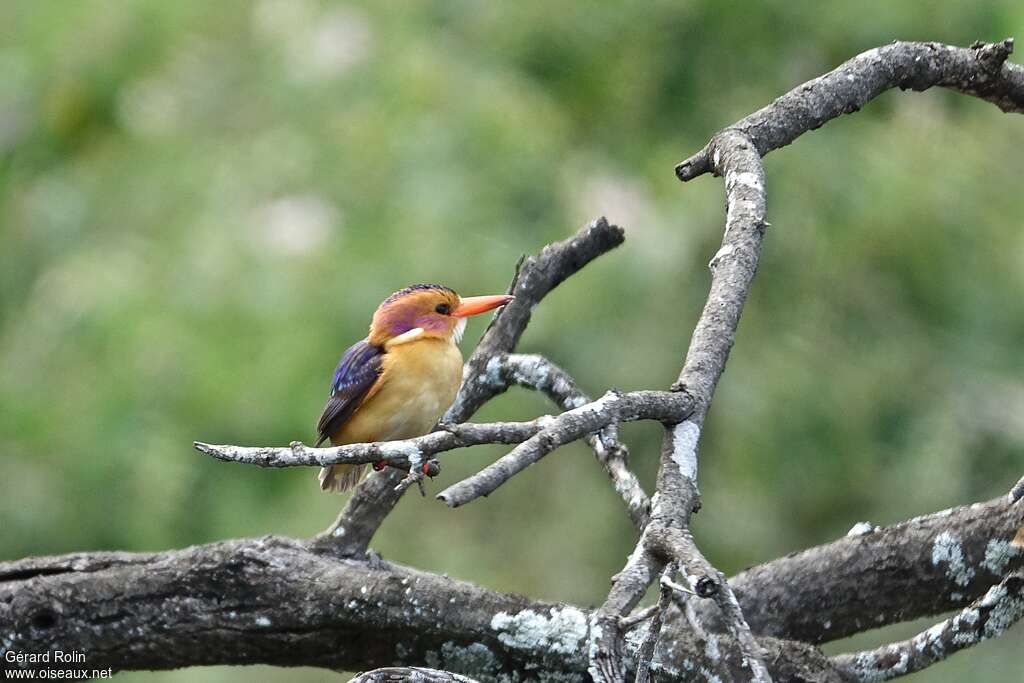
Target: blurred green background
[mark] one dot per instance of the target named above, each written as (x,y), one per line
(201,204)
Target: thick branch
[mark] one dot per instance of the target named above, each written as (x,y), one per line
(980,70)
(273,601)
(987,617)
(919,568)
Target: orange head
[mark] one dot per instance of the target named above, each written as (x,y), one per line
(427,311)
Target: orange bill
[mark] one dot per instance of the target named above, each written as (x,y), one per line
(473,305)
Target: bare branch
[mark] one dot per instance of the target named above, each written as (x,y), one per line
(732,270)
(923,567)
(1017,492)
(273,601)
(612,408)
(707,582)
(606,633)
(543,433)
(980,70)
(987,617)
(276,601)
(646,653)
(626,623)
(411,453)
(540,374)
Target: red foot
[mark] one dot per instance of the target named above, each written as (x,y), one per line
(379,465)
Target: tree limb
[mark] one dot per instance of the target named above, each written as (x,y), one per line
(540,374)
(277,601)
(610,409)
(987,617)
(732,269)
(535,278)
(646,652)
(980,70)
(923,567)
(553,431)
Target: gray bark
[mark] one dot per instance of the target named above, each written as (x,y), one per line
(278,601)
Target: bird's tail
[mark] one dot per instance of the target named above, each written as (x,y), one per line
(339,478)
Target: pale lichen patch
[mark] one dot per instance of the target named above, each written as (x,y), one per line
(560,631)
(745,178)
(596,632)
(532,370)
(947,550)
(720,254)
(685,436)
(998,555)
(491,375)
(575,402)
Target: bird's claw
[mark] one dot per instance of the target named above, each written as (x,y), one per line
(379,465)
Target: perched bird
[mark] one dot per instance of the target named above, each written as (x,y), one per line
(400,380)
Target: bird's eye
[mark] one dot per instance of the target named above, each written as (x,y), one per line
(443,309)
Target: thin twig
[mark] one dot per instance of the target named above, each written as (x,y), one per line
(638,617)
(540,374)
(612,408)
(536,437)
(646,653)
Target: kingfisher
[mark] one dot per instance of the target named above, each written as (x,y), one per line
(397,382)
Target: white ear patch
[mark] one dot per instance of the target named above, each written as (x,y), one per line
(458,330)
(405,337)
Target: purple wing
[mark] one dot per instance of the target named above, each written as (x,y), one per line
(359,368)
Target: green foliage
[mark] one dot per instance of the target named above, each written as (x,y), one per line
(201,204)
